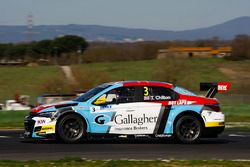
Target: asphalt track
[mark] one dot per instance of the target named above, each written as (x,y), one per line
(231,145)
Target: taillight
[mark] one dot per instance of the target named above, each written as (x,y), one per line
(215,108)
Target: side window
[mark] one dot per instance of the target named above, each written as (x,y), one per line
(156,93)
(120,95)
(126,94)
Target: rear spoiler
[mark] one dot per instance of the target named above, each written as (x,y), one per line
(213,88)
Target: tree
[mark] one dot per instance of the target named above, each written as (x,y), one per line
(43,47)
(17,51)
(241,47)
(70,43)
(3,48)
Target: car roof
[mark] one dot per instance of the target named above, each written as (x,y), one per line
(145,83)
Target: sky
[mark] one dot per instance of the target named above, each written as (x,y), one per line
(149,14)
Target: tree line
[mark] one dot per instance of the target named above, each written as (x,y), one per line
(55,48)
(69,49)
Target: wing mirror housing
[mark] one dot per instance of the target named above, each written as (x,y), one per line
(100,101)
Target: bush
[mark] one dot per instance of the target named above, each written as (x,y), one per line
(110,52)
(240,48)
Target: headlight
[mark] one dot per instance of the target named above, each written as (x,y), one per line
(51,114)
(47,114)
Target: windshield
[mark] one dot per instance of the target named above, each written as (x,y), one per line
(89,94)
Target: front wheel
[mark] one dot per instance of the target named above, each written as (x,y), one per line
(71,129)
(188,129)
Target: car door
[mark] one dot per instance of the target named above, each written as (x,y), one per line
(116,114)
(154,103)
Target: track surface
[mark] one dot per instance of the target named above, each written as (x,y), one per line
(230,145)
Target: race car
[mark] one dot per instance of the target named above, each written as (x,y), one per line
(131,109)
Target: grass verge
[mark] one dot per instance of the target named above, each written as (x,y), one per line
(12,119)
(77,162)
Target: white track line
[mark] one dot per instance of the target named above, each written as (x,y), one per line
(236,135)
(5,137)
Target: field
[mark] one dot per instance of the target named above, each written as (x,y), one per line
(184,72)
(25,80)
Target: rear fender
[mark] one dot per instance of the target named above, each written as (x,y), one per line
(179,110)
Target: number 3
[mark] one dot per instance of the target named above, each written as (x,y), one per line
(146,93)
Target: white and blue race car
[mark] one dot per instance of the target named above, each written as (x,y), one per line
(132,109)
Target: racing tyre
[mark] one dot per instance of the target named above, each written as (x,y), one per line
(71,129)
(188,129)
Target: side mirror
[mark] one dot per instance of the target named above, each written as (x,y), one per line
(100,100)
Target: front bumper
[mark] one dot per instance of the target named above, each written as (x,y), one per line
(29,124)
(39,127)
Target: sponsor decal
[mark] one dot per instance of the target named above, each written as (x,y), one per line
(102,119)
(47,129)
(223,86)
(163,135)
(181,102)
(130,119)
(41,121)
(105,107)
(151,98)
(133,128)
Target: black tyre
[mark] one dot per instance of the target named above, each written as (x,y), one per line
(188,129)
(71,129)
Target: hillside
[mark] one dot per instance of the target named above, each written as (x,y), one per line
(185,72)
(226,30)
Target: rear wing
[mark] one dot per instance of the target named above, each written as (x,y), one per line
(213,88)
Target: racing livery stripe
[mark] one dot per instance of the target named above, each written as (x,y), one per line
(162,120)
(214,124)
(112,118)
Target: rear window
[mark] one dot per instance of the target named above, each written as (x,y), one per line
(184,91)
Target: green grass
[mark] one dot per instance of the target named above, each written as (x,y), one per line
(187,73)
(12,119)
(77,162)
(237,113)
(201,69)
(130,70)
(25,80)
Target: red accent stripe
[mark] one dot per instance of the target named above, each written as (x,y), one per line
(148,83)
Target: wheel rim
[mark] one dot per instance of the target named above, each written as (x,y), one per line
(189,129)
(72,128)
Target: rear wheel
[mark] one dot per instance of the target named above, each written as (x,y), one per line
(188,129)
(71,128)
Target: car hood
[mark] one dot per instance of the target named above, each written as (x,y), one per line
(54,106)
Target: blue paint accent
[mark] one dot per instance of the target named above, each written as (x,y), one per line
(175,111)
(36,136)
(89,116)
